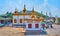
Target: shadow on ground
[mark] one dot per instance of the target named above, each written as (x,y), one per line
(41,32)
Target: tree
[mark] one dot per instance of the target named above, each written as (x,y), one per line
(7,12)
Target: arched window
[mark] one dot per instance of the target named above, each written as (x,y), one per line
(15,21)
(20,20)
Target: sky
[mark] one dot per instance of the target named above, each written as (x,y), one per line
(49,6)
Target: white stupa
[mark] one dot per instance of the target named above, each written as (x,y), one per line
(56,20)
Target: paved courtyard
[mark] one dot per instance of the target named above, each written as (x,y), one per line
(8,31)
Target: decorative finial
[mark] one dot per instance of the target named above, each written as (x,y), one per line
(33,13)
(41,17)
(16,9)
(46,16)
(33,10)
(50,14)
(24,10)
(46,13)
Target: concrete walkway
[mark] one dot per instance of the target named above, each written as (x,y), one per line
(55,31)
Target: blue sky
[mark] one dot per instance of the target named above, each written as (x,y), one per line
(52,6)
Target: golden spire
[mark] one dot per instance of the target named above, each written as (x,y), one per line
(33,10)
(24,10)
(41,17)
(33,13)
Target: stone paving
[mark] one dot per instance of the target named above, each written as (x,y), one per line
(55,31)
(36,32)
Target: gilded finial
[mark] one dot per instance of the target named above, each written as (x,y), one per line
(33,10)
(33,13)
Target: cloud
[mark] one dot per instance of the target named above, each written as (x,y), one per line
(55,11)
(45,3)
(10,5)
(46,7)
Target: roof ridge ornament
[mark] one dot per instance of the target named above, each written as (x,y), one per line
(24,10)
(16,11)
(33,12)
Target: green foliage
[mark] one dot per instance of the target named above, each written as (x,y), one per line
(59,19)
(54,19)
(9,14)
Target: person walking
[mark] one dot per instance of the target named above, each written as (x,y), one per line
(43,26)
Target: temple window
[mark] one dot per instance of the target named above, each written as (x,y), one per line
(29,25)
(36,25)
(15,21)
(20,20)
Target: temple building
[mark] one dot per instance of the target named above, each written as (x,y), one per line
(29,21)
